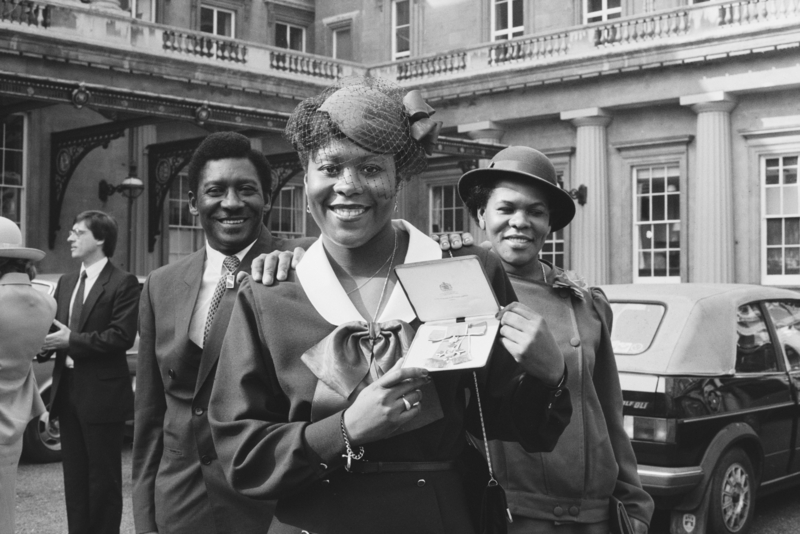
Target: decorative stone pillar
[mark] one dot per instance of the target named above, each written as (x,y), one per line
(711,237)
(589,237)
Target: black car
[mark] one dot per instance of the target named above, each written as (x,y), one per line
(710,375)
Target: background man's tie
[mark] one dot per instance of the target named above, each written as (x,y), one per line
(77,305)
(231,263)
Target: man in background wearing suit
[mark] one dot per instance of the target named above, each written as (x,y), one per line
(178,484)
(91,392)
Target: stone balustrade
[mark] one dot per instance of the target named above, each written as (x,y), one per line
(432,66)
(315,66)
(652,28)
(529,48)
(209,46)
(25,12)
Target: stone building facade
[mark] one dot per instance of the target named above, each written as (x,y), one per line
(674,122)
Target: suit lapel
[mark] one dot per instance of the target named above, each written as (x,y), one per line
(213,344)
(187,296)
(97,289)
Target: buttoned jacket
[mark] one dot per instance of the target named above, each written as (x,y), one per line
(178,486)
(106,330)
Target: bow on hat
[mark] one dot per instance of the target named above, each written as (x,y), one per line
(424,129)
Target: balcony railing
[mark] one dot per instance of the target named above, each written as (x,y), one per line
(72,22)
(679,27)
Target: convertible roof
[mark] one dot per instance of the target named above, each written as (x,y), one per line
(697,335)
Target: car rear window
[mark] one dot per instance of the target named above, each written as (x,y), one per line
(635,326)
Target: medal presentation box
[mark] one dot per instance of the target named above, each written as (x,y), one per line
(457,306)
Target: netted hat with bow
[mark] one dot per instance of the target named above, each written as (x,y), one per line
(375,115)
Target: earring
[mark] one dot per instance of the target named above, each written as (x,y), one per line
(308,208)
(482,224)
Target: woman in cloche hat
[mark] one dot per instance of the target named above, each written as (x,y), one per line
(25,317)
(517,201)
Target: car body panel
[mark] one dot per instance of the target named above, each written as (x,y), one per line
(687,375)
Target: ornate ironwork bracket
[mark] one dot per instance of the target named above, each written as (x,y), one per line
(284,167)
(67,150)
(164,162)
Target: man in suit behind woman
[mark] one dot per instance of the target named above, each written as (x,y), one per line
(91,392)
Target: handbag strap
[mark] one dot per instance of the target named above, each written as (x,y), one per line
(492,480)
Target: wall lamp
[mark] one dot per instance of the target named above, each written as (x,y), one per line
(130,188)
(580,194)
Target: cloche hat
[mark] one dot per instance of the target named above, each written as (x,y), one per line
(528,164)
(11,243)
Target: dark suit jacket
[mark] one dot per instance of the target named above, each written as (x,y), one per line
(179,486)
(107,328)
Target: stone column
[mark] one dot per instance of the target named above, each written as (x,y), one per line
(711,212)
(589,239)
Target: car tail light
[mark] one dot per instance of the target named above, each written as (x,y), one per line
(649,428)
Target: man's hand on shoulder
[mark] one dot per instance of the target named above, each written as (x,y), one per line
(454,240)
(268,268)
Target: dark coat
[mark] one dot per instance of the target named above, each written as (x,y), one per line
(107,328)
(178,485)
(261,409)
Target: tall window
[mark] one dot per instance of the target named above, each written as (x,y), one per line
(781,209)
(600,10)
(343,44)
(553,248)
(290,36)
(12,184)
(143,10)
(657,234)
(507,20)
(401,29)
(287,217)
(217,21)
(185,232)
(447,212)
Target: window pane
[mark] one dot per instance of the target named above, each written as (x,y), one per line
(786,316)
(635,326)
(646,237)
(792,260)
(296,39)
(790,200)
(516,16)
(773,201)
(13,132)
(774,232)
(281,36)
(792,235)
(614,3)
(12,167)
(674,207)
(501,16)
(206,20)
(674,263)
(403,13)
(774,261)
(595,5)
(225,23)
(790,175)
(658,208)
(344,45)
(403,41)
(754,350)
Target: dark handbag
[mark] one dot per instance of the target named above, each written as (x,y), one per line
(618,520)
(494,512)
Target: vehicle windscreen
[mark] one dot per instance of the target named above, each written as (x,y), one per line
(635,326)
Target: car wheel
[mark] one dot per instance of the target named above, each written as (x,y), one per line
(41,442)
(733,496)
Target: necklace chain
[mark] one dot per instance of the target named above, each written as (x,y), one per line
(368,280)
(386,280)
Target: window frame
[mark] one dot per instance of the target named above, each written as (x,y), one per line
(496,34)
(443,182)
(397,56)
(561,158)
(658,151)
(167,231)
(153,6)
(23,209)
(334,42)
(781,279)
(216,10)
(604,13)
(274,204)
(289,26)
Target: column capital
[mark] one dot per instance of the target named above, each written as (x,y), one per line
(587,117)
(488,131)
(716,101)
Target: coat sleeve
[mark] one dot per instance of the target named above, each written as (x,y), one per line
(148,436)
(120,332)
(516,406)
(262,453)
(628,488)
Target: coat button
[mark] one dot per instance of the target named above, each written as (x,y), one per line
(575,341)
(199,411)
(421,482)
(574,511)
(326,481)
(206,459)
(558,511)
(323,466)
(171,373)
